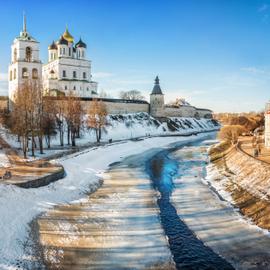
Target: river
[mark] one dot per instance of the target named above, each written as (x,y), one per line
(153,211)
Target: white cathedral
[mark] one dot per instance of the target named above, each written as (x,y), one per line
(67,69)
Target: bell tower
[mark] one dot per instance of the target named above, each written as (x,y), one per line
(157,100)
(25,63)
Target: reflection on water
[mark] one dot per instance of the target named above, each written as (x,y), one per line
(188,251)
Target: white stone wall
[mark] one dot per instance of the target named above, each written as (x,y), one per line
(183,111)
(121,108)
(267,125)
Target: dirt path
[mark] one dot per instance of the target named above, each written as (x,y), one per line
(24,173)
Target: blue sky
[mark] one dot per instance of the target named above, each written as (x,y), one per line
(214,53)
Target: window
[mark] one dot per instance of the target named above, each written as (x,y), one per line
(15,55)
(87,88)
(52,74)
(84,75)
(14,74)
(65,87)
(74,88)
(64,51)
(74,74)
(34,73)
(82,54)
(10,75)
(24,73)
(64,73)
(69,51)
(28,54)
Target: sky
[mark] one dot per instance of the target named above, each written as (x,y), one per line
(215,54)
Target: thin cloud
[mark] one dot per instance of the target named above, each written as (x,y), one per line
(3,76)
(263,8)
(101,75)
(255,70)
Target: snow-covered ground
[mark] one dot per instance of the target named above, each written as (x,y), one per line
(19,206)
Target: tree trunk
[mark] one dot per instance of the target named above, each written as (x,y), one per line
(40,140)
(99,134)
(24,146)
(61,137)
(96,130)
(68,135)
(73,140)
(49,141)
(33,145)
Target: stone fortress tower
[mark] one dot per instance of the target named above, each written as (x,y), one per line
(267,125)
(156,100)
(25,63)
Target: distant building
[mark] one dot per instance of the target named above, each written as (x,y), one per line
(267,125)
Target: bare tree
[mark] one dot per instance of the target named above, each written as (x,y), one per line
(59,116)
(48,124)
(231,133)
(73,116)
(97,118)
(131,95)
(21,115)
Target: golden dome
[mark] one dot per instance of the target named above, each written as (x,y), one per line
(67,36)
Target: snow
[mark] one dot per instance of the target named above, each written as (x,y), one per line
(128,126)
(18,207)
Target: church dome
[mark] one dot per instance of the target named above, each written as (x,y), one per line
(62,41)
(53,46)
(156,90)
(80,44)
(67,36)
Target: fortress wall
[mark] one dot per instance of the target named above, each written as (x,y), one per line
(204,113)
(120,107)
(113,107)
(183,111)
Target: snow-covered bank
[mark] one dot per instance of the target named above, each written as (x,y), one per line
(212,219)
(128,126)
(244,182)
(19,206)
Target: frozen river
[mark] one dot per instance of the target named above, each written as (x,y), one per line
(153,211)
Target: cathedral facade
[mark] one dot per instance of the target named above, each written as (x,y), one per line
(68,68)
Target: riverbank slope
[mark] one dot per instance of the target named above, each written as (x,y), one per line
(244,181)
